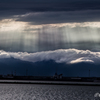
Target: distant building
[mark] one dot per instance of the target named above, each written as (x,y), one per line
(8,76)
(56,76)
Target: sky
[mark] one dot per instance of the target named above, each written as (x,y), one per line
(33,30)
(40,25)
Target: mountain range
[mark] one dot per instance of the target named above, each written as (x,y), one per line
(48,68)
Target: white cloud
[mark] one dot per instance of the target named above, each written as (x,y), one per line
(81,60)
(68,56)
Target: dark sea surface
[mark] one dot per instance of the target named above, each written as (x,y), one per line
(47,92)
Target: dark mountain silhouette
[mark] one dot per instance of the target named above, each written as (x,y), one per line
(48,68)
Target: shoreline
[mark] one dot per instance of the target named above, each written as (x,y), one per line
(50,82)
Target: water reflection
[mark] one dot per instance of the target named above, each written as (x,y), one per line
(47,92)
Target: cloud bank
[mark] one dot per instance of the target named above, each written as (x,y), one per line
(68,56)
(37,18)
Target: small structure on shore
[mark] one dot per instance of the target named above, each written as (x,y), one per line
(56,76)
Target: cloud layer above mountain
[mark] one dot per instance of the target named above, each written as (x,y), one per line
(68,56)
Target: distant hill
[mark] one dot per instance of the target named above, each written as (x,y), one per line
(48,68)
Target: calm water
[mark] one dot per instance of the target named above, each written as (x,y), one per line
(47,92)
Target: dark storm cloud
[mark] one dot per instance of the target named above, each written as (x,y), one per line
(55,11)
(50,5)
(60,17)
(8,13)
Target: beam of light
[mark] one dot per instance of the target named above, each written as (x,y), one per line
(23,36)
(11,25)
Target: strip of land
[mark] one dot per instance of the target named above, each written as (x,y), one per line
(49,82)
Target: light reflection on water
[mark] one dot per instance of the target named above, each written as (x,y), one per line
(47,92)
